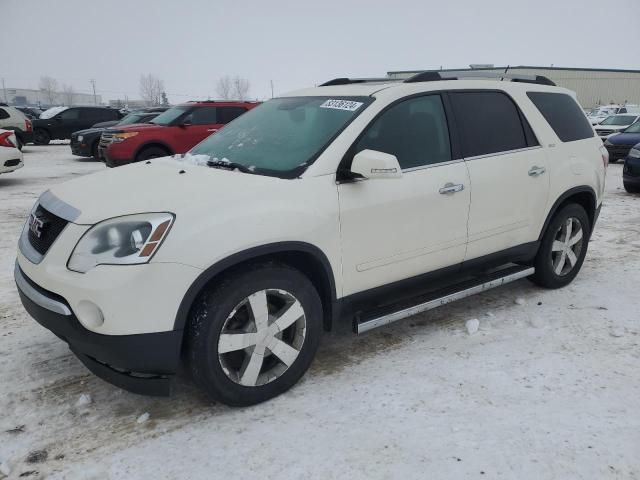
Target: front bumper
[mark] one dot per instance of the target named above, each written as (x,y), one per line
(141,363)
(80,149)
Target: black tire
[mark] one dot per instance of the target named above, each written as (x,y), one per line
(210,313)
(631,188)
(151,152)
(544,263)
(41,137)
(19,142)
(94,150)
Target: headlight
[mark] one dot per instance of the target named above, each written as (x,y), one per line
(121,137)
(634,153)
(128,240)
(80,137)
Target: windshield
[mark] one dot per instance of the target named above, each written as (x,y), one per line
(132,118)
(619,120)
(169,116)
(52,112)
(635,128)
(284,135)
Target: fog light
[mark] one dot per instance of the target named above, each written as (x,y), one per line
(89,314)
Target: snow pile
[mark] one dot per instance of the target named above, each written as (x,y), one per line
(5,469)
(143,418)
(85,399)
(472,325)
(189,159)
(520,301)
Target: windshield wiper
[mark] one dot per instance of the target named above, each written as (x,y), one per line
(229,165)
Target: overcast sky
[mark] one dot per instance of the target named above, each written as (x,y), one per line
(189,44)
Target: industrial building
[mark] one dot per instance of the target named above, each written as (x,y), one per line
(593,86)
(33,97)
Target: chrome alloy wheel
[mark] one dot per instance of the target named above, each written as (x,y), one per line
(567,246)
(262,337)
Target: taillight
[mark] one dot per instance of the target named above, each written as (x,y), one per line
(605,156)
(28,125)
(5,140)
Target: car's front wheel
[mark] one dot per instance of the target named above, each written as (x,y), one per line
(563,247)
(253,334)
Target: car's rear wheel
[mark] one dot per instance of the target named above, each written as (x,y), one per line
(151,152)
(94,150)
(563,247)
(19,143)
(252,335)
(631,188)
(41,137)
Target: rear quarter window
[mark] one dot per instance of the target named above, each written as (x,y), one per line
(563,114)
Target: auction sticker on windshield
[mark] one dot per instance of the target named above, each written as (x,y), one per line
(349,105)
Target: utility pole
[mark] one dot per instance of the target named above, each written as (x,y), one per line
(93,84)
(271,88)
(4,90)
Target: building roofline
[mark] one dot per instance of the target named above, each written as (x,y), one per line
(515,67)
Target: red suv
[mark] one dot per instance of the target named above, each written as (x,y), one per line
(174,131)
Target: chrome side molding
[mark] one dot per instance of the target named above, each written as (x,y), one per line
(438,302)
(59,208)
(37,297)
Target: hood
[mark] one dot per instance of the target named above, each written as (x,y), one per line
(624,139)
(87,131)
(615,128)
(138,127)
(159,186)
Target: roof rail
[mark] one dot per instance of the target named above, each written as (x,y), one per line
(347,81)
(432,76)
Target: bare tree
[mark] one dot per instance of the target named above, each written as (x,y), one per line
(240,88)
(151,88)
(49,88)
(68,93)
(224,89)
(236,88)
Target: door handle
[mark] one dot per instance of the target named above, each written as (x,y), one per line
(451,188)
(212,129)
(536,171)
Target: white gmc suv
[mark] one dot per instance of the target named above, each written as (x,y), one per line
(369,200)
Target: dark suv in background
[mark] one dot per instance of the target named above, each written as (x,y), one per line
(84,143)
(69,120)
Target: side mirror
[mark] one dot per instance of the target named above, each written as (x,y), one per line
(373,164)
(185,123)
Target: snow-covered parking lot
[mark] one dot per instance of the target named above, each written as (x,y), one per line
(547,388)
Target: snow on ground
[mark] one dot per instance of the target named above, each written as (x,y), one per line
(546,388)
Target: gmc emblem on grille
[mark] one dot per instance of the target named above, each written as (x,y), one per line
(36,225)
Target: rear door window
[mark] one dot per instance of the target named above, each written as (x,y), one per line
(564,115)
(70,114)
(204,116)
(227,114)
(489,123)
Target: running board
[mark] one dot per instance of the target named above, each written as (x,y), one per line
(443,297)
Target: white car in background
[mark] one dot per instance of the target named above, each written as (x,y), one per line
(10,156)
(599,114)
(615,124)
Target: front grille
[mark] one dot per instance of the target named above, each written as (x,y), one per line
(604,132)
(616,152)
(105,139)
(12,163)
(49,227)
